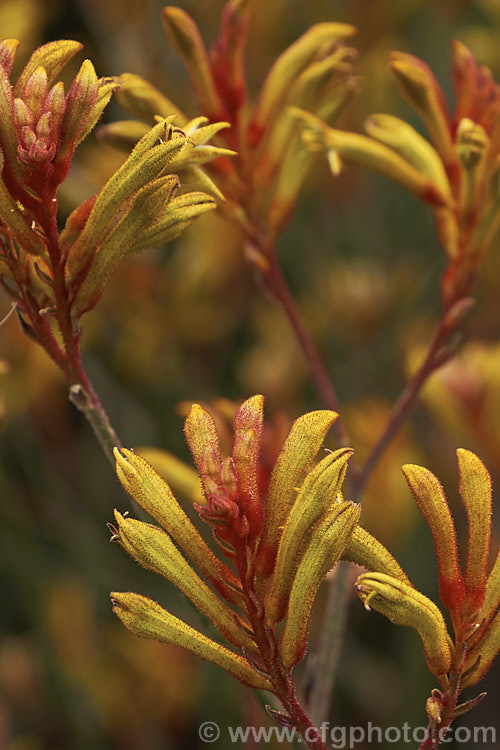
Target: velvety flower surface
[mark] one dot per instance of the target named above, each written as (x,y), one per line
(277,535)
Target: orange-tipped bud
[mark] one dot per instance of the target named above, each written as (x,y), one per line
(475,491)
(431,501)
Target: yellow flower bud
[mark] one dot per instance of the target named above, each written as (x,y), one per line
(300,448)
(154,549)
(317,494)
(144,617)
(328,540)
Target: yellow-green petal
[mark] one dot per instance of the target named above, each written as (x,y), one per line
(430,498)
(475,491)
(487,648)
(181,477)
(293,463)
(364,549)
(355,148)
(153,549)
(154,495)
(146,618)
(328,540)
(141,99)
(316,496)
(316,40)
(186,39)
(403,138)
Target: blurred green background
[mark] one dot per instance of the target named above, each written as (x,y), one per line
(187,323)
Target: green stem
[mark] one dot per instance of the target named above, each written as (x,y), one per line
(330,643)
(85,399)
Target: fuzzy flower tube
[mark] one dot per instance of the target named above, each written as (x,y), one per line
(470,594)
(277,536)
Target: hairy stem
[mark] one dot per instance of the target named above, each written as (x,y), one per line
(86,400)
(68,355)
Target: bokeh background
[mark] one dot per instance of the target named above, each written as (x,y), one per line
(188,323)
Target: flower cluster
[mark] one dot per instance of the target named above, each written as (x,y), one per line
(262,183)
(457,173)
(55,276)
(280,534)
(471,596)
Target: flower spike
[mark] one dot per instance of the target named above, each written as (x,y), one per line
(456,173)
(473,599)
(295,513)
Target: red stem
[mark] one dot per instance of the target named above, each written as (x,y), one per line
(406,401)
(280,290)
(283,684)
(68,356)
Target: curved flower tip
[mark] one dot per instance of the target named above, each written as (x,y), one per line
(364,549)
(404,159)
(404,605)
